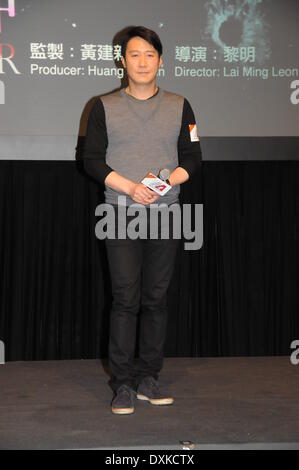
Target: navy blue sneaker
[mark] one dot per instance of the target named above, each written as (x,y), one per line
(149,390)
(123,401)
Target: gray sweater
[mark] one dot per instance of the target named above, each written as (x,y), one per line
(134,137)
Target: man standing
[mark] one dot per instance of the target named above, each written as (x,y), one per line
(131,132)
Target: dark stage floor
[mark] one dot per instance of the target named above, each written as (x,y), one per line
(229,403)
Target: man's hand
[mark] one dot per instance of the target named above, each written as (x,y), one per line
(137,191)
(143,195)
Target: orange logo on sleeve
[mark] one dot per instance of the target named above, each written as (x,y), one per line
(193,133)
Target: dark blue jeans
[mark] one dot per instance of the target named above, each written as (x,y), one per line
(140,271)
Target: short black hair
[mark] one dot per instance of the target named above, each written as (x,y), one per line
(144,33)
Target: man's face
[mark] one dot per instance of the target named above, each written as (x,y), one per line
(142,61)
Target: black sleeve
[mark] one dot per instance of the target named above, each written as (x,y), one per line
(189,150)
(96,143)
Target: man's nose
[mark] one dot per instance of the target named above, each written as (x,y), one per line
(142,60)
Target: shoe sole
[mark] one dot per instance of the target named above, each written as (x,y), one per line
(122,411)
(156,401)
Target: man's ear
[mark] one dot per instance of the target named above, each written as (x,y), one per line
(123,62)
(160,61)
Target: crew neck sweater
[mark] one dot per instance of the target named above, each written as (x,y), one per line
(134,137)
